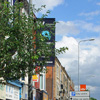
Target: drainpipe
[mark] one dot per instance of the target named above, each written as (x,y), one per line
(52,81)
(20,91)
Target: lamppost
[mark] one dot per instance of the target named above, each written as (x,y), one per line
(79,59)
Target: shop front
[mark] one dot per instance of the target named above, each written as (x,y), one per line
(41,95)
(2,92)
(13,90)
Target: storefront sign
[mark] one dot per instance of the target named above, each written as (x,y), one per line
(79,95)
(45,96)
(35,78)
(80,98)
(12,92)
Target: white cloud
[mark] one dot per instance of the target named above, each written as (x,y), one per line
(50,4)
(71,43)
(90,13)
(91,88)
(98,3)
(75,27)
(89,60)
(64,28)
(89,27)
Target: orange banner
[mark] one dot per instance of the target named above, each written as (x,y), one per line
(82,87)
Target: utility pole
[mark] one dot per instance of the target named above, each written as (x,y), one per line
(79,59)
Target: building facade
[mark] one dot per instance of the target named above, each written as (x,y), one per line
(2,92)
(59,84)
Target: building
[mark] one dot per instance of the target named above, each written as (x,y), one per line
(2,92)
(64,84)
(41,85)
(58,82)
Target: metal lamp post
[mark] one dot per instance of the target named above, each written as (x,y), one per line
(79,59)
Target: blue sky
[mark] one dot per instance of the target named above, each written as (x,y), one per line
(78,20)
(78,10)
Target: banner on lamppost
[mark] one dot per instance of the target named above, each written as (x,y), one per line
(48,32)
(82,87)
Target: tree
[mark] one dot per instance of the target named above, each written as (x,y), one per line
(21,43)
(92,98)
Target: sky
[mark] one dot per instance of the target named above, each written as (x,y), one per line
(77,20)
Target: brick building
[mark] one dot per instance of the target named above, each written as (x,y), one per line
(58,82)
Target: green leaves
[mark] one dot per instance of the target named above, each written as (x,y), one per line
(21,42)
(15,26)
(35,57)
(61,50)
(92,98)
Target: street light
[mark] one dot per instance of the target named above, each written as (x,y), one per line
(78,57)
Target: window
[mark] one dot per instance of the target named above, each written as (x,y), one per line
(42,82)
(57,90)
(57,70)
(60,74)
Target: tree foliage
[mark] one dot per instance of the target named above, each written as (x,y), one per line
(21,43)
(92,98)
